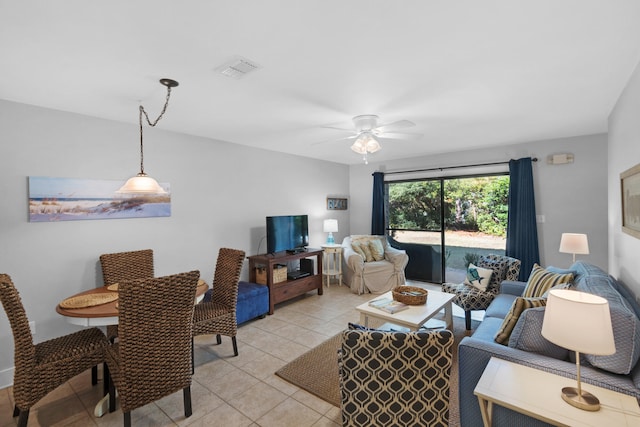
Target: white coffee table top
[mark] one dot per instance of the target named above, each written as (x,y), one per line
(416,315)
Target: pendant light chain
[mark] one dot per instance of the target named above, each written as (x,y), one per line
(142,111)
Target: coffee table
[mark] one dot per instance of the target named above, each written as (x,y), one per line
(415,316)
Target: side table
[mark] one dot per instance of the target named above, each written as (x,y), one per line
(332,265)
(537,394)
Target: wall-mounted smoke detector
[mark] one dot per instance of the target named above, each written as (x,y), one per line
(237,67)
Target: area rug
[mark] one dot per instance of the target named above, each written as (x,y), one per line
(316,371)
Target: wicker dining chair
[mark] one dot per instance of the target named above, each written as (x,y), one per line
(218,316)
(120,266)
(395,378)
(152,357)
(41,368)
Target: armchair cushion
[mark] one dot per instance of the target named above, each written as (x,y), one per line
(376,249)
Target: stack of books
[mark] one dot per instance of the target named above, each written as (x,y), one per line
(389,305)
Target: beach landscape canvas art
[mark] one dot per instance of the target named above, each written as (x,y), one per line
(72,199)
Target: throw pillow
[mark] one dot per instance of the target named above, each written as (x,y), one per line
(527,335)
(377,251)
(478,277)
(567,285)
(358,248)
(519,305)
(364,245)
(499,268)
(541,280)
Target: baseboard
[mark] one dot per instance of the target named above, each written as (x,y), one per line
(6,378)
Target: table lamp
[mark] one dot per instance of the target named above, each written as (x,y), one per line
(330,226)
(573,243)
(580,322)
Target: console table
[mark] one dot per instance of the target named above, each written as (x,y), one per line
(537,393)
(283,291)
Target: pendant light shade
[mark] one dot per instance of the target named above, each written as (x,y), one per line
(142,183)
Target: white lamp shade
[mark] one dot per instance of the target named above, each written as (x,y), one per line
(578,321)
(330,225)
(573,243)
(141,184)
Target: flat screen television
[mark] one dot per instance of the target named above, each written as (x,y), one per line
(287,233)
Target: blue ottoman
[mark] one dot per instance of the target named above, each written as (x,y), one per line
(253,301)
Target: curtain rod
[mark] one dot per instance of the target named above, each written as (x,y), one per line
(534,159)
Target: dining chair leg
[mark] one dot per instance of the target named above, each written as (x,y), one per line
(105,379)
(16,411)
(94,375)
(24,418)
(127,419)
(186,395)
(467,320)
(235,346)
(218,339)
(112,392)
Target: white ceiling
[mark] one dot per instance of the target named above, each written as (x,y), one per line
(468,73)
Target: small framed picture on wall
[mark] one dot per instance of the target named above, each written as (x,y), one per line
(336,204)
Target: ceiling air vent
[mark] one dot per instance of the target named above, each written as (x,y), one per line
(237,68)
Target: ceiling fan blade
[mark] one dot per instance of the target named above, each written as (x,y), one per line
(349,138)
(390,127)
(338,128)
(402,135)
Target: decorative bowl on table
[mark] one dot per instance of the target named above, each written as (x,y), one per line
(411,295)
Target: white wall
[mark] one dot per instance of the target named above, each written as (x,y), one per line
(221,194)
(572,197)
(624,153)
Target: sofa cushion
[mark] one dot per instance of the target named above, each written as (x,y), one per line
(478,277)
(527,335)
(625,324)
(541,280)
(509,322)
(500,306)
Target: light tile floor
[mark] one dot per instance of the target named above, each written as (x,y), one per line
(226,391)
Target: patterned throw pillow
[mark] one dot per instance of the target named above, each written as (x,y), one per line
(510,320)
(478,277)
(541,280)
(356,247)
(377,251)
(364,251)
(499,268)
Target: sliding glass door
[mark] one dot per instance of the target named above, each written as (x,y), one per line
(446,223)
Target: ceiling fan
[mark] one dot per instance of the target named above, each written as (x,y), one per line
(368,133)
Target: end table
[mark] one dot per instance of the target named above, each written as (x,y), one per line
(332,264)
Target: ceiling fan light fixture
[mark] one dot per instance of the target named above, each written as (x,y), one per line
(366,143)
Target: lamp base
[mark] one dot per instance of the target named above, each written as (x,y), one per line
(586,401)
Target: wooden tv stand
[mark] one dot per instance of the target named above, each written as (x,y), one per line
(283,291)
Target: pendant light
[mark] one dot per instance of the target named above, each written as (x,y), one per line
(142,183)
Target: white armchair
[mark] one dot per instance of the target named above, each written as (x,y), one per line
(373,276)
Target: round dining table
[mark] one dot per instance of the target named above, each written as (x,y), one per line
(104,315)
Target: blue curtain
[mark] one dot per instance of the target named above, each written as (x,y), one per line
(377,212)
(522,230)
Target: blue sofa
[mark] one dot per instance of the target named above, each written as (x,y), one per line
(619,372)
